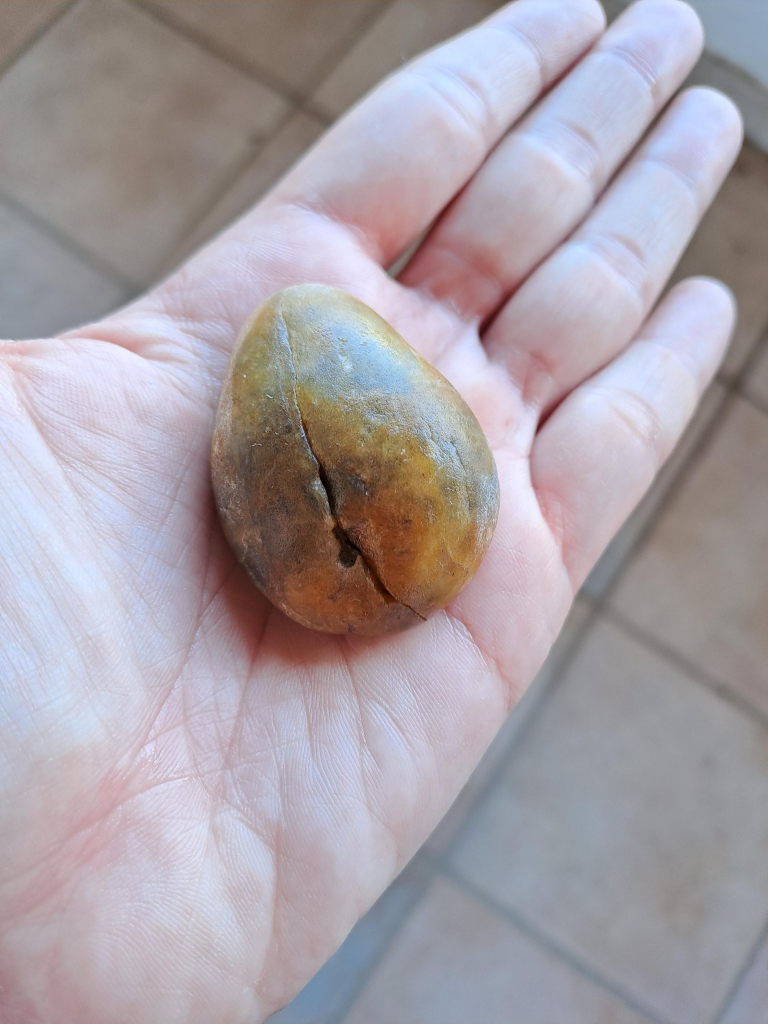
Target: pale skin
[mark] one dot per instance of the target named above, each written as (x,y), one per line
(198,797)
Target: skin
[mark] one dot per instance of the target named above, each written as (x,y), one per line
(352,480)
(198,797)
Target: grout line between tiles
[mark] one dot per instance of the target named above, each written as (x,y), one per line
(300,98)
(534,711)
(669,654)
(742,380)
(27,45)
(734,389)
(426,864)
(679,480)
(337,52)
(131,287)
(439,864)
(752,356)
(226,182)
(600,607)
(530,930)
(734,392)
(756,403)
(741,975)
(203,42)
(603,605)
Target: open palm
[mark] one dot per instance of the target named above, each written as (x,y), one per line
(198,797)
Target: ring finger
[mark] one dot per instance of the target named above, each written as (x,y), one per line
(582,305)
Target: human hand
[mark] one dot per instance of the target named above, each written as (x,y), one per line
(198,798)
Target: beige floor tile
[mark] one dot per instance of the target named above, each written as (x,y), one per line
(631,827)
(617,552)
(732,244)
(756,384)
(290,40)
(44,287)
(128,129)
(405,28)
(277,157)
(20,20)
(750,1002)
(455,962)
(333,988)
(698,582)
(451,825)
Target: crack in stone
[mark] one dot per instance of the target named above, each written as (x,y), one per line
(349,552)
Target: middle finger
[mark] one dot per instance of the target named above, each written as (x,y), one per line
(544,177)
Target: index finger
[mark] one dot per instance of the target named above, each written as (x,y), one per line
(398,158)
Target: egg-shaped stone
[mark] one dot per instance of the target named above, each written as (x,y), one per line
(353,482)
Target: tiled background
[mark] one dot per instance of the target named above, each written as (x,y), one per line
(608,861)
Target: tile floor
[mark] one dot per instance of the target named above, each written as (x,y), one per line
(608,861)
